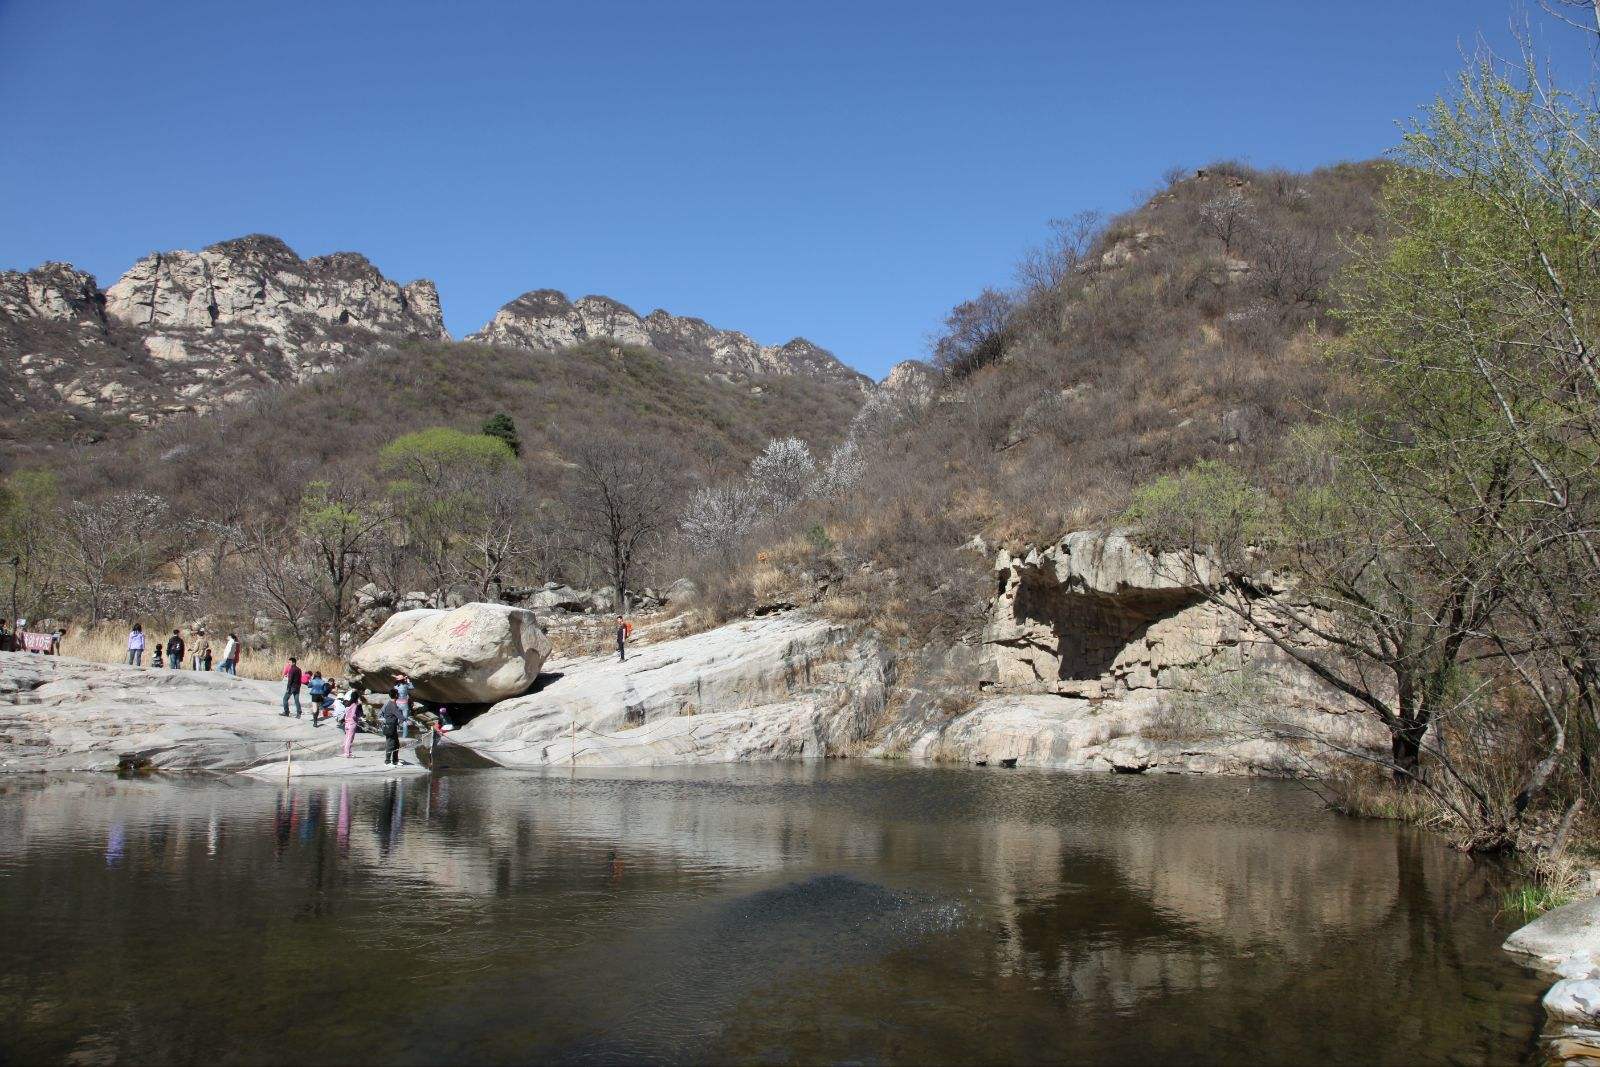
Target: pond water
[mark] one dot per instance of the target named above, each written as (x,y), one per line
(839,911)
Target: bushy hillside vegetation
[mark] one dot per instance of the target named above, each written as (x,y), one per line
(280,506)
(1188,328)
(1192,327)
(336,423)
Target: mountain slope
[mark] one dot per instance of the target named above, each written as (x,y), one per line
(260,453)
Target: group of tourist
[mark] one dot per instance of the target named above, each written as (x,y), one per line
(21,639)
(394,718)
(327,702)
(170,655)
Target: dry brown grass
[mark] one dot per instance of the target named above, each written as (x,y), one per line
(1364,791)
(107,642)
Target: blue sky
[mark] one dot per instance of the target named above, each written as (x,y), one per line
(845,172)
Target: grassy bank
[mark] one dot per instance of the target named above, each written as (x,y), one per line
(107,642)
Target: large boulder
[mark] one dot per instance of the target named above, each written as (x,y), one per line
(1558,934)
(473,654)
(784,687)
(559,598)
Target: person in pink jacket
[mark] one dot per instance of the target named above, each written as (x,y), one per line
(349,710)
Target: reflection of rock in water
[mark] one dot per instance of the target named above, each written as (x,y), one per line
(748,945)
(844,915)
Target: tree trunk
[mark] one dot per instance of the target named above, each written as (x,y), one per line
(1405,746)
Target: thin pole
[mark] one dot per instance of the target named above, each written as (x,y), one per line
(16,571)
(288,768)
(573,744)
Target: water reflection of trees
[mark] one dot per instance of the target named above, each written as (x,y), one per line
(1087,902)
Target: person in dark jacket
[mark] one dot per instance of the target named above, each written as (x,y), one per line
(175,651)
(293,676)
(389,719)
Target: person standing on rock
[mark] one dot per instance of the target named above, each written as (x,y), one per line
(389,719)
(402,697)
(205,653)
(230,656)
(175,651)
(291,687)
(348,709)
(136,646)
(624,631)
(319,688)
(155,656)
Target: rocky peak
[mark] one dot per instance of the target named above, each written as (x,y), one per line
(545,319)
(910,377)
(259,281)
(56,291)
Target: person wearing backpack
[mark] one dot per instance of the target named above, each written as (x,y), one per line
(318,687)
(389,719)
(624,631)
(175,651)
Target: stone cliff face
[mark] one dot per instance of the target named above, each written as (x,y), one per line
(55,291)
(545,319)
(259,281)
(1100,654)
(185,332)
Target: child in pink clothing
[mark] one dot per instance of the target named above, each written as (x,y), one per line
(348,710)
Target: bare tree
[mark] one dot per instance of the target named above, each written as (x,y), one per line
(619,500)
(1226,216)
(107,539)
(975,335)
(494,534)
(337,520)
(276,570)
(1046,267)
(1293,268)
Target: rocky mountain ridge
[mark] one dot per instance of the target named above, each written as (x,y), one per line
(544,320)
(260,281)
(183,332)
(189,332)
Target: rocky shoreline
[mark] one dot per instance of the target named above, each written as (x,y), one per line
(1565,942)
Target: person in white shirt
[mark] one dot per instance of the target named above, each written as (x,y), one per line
(136,646)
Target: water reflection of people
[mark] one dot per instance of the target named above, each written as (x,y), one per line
(283,820)
(613,868)
(342,830)
(116,844)
(311,816)
(390,818)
